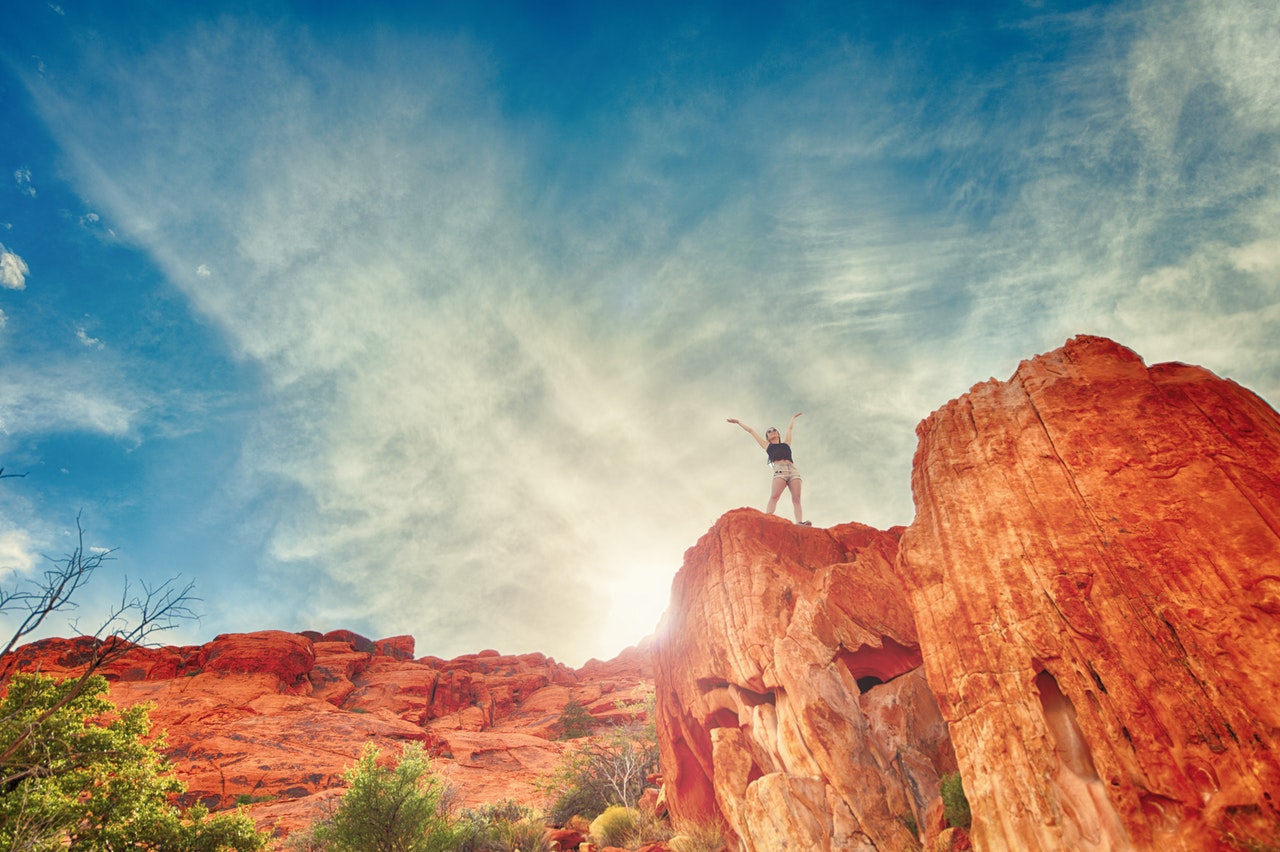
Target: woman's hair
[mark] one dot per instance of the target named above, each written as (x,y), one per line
(773,430)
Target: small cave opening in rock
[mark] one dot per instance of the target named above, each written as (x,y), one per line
(865,683)
(871,667)
(722,718)
(1060,719)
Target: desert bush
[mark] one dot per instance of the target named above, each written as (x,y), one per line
(303,840)
(385,809)
(502,827)
(575,721)
(647,827)
(955,805)
(608,769)
(614,826)
(699,836)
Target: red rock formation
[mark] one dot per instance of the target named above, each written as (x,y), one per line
(1091,586)
(277,718)
(1095,572)
(789,699)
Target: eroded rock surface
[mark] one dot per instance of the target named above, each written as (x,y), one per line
(790,701)
(1095,573)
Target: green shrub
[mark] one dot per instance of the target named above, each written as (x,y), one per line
(250,799)
(575,721)
(502,827)
(388,809)
(955,805)
(525,835)
(72,782)
(615,826)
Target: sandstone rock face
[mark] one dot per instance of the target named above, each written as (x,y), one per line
(274,719)
(1095,574)
(790,699)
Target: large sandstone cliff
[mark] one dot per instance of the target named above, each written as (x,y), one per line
(1092,585)
(1095,572)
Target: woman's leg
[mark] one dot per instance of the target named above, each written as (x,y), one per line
(794,485)
(779,484)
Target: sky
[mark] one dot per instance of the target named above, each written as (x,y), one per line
(427,318)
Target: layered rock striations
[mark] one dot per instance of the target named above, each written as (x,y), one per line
(791,703)
(1094,570)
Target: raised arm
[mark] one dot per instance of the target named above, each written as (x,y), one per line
(752,432)
(792,425)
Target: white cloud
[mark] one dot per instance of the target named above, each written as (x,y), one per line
(17,554)
(13,270)
(203,271)
(22,177)
(92,342)
(4,319)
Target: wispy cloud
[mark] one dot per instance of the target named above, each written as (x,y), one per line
(498,352)
(68,396)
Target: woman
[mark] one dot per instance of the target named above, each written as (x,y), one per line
(785,475)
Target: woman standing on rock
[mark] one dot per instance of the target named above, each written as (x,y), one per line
(785,475)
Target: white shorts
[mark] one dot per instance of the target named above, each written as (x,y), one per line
(786,471)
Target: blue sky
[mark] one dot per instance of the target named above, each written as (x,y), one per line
(428,321)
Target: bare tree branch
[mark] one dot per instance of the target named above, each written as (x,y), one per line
(131,623)
(54,592)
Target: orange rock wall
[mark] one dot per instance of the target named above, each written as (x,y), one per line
(1095,573)
(786,702)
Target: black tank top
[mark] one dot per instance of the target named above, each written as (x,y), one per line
(779,452)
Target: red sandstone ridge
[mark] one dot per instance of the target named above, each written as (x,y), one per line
(1095,573)
(276,718)
(791,702)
